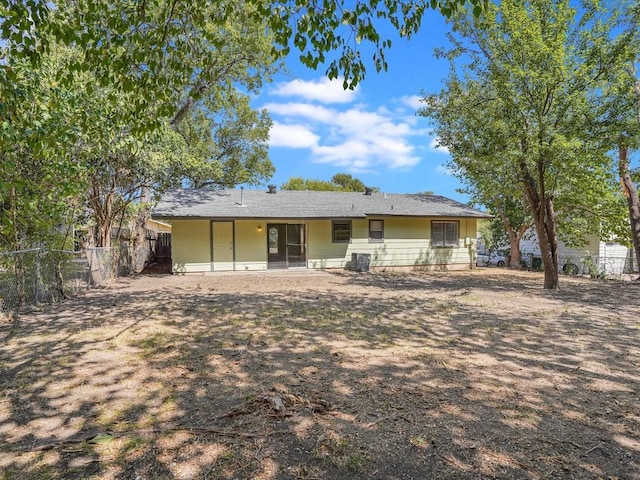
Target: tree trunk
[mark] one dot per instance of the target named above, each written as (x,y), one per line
(513,261)
(103,235)
(139,254)
(140,226)
(549,246)
(60,279)
(144,212)
(545,223)
(548,251)
(631,193)
(103,214)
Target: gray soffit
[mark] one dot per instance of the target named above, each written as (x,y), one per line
(230,204)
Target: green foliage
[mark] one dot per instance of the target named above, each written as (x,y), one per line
(237,150)
(348,183)
(170,55)
(617,117)
(36,194)
(615,113)
(299,183)
(516,115)
(317,29)
(340,182)
(488,233)
(164,36)
(147,98)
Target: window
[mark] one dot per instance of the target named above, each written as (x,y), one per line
(444,234)
(376,230)
(341,231)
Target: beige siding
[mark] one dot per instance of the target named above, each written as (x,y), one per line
(322,252)
(191,246)
(407,243)
(251,244)
(157,226)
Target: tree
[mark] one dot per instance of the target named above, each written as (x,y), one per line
(170,106)
(208,149)
(36,196)
(619,116)
(631,194)
(513,222)
(300,183)
(523,104)
(480,159)
(348,183)
(227,144)
(126,35)
(340,182)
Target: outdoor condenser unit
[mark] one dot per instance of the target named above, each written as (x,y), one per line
(360,262)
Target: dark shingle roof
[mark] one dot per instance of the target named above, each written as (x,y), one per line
(304,204)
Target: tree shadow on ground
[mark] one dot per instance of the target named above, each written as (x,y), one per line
(363,376)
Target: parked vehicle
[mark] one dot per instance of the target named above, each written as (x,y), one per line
(486,258)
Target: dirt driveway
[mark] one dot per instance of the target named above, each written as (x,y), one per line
(465,375)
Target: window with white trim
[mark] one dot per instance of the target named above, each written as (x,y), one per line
(445,234)
(376,230)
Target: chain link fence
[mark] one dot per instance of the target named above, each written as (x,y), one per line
(611,267)
(615,268)
(30,277)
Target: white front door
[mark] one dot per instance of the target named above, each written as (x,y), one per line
(222,250)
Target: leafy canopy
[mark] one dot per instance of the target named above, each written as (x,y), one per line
(340,182)
(516,111)
(124,33)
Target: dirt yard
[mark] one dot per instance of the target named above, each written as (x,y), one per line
(466,375)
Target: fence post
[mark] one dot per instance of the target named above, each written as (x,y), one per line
(37,282)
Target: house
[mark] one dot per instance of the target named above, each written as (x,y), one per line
(158,235)
(158,226)
(597,257)
(218,230)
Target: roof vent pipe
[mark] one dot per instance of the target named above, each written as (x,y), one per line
(241,196)
(368,190)
(272,188)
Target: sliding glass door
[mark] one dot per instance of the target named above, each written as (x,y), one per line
(286,245)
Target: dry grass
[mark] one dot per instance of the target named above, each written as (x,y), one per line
(315,375)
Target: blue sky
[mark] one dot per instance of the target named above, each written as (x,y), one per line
(373,132)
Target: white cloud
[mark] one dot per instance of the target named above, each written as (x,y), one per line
(414,102)
(355,138)
(292,136)
(304,110)
(323,90)
(342,154)
(436,147)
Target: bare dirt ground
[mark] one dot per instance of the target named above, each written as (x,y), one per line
(461,375)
